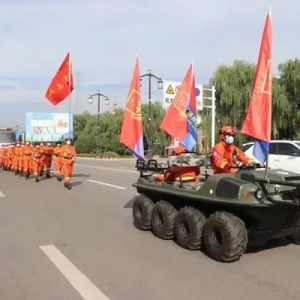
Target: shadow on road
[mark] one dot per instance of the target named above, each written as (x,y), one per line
(81,175)
(129,204)
(75,183)
(276,243)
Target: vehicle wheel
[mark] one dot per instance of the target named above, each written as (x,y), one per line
(225,237)
(142,212)
(163,220)
(189,228)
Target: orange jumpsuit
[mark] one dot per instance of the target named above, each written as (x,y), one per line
(31,160)
(10,154)
(58,160)
(27,152)
(4,158)
(68,154)
(1,156)
(42,161)
(223,157)
(48,158)
(179,149)
(17,159)
(37,157)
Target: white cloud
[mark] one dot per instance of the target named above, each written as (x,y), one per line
(104,37)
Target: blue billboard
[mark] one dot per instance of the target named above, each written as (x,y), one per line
(48,127)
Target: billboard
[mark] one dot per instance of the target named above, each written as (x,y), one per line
(170,89)
(48,127)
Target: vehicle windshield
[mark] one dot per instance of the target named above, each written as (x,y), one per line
(298,144)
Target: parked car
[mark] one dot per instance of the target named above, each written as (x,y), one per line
(283,154)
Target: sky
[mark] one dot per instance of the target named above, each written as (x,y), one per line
(104,38)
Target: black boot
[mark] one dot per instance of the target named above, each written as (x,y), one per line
(37,179)
(48,175)
(27,175)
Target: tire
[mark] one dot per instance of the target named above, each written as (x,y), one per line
(142,212)
(189,228)
(163,220)
(225,237)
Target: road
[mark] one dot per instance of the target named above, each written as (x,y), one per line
(81,244)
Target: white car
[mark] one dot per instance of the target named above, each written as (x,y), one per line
(283,154)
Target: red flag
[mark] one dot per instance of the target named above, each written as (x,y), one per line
(258,118)
(62,83)
(175,120)
(132,126)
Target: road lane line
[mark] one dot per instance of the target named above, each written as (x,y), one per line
(77,279)
(1,194)
(109,169)
(108,184)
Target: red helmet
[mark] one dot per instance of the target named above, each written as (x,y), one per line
(227,130)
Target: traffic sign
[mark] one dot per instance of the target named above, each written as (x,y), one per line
(171,86)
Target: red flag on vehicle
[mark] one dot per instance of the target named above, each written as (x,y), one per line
(62,83)
(132,126)
(258,121)
(175,120)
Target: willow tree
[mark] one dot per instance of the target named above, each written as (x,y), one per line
(290,81)
(234,86)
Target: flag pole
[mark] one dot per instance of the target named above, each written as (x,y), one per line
(267,158)
(69,79)
(196,148)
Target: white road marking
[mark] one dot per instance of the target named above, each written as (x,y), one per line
(78,280)
(1,194)
(109,169)
(108,184)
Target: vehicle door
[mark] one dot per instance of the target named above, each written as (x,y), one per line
(273,157)
(288,157)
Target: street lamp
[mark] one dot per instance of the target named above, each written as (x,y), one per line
(98,152)
(159,86)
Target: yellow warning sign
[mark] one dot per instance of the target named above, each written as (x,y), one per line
(170,90)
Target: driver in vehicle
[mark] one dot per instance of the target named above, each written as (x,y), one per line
(226,157)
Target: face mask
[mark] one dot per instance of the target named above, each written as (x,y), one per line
(68,142)
(229,139)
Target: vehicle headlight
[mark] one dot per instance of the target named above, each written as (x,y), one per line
(258,194)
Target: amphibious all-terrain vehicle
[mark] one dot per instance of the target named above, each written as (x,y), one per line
(221,213)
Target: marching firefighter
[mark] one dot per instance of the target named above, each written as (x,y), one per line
(42,161)
(225,155)
(17,159)
(9,157)
(37,155)
(27,160)
(68,154)
(58,161)
(48,158)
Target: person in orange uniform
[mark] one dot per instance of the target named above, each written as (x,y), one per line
(21,158)
(58,161)
(42,162)
(179,149)
(17,154)
(68,154)
(27,159)
(48,158)
(31,160)
(4,158)
(37,156)
(225,156)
